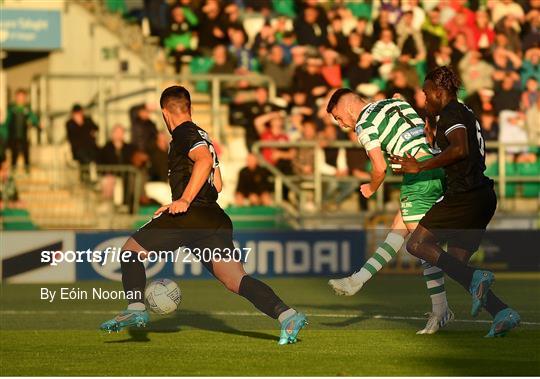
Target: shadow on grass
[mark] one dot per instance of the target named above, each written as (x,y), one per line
(176,322)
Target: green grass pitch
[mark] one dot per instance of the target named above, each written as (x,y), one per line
(219,333)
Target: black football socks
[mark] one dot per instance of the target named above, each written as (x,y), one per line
(262,297)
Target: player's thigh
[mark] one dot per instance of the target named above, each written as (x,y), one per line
(399,226)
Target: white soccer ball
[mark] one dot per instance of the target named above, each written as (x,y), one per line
(163,296)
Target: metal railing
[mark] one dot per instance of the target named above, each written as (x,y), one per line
(317,180)
(40,91)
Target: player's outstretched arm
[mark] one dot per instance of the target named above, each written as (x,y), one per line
(457,150)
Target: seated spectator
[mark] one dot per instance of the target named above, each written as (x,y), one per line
(331,69)
(222,63)
(245,113)
(179,38)
(271,127)
(398,84)
(382,23)
(312,82)
(309,27)
(476,74)
(385,51)
(81,133)
(490,126)
(300,106)
(459,26)
(212,26)
(143,129)
(276,68)
(253,184)
(419,14)
(116,152)
(507,96)
(505,61)
(530,95)
(336,37)
(287,43)
(434,34)
(509,27)
(459,48)
(362,71)
(410,40)
(481,101)
(245,62)
(531,65)
(531,29)
(484,35)
(264,40)
(159,169)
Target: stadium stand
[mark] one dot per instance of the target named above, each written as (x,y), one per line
(223,51)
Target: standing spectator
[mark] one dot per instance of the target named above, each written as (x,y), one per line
(143,129)
(382,23)
(434,35)
(459,49)
(19,118)
(385,51)
(309,28)
(419,14)
(459,25)
(531,29)
(81,133)
(253,184)
(507,35)
(276,68)
(398,85)
(288,42)
(263,41)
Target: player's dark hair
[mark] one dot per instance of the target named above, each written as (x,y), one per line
(175,98)
(336,96)
(445,78)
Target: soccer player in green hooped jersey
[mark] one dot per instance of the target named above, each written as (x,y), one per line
(392,126)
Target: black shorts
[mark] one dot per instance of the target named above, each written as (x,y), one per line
(461,219)
(201,227)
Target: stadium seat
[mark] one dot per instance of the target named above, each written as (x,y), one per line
(531,189)
(23,221)
(201,65)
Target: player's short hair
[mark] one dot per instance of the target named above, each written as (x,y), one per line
(445,78)
(336,96)
(175,99)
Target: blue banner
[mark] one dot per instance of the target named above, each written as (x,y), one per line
(269,253)
(23,29)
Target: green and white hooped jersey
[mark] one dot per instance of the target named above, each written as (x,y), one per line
(393,125)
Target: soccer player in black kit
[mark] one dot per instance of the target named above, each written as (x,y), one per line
(469,202)
(194,220)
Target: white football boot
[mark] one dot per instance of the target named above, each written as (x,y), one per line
(346,286)
(436,322)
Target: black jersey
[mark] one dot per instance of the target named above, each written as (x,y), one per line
(468,173)
(186,137)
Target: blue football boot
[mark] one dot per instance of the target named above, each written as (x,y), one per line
(126,319)
(290,328)
(479,288)
(504,321)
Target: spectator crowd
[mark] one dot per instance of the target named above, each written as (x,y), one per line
(379,48)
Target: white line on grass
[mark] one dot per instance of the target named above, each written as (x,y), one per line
(246,314)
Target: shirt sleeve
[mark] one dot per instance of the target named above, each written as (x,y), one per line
(368,136)
(190,140)
(450,120)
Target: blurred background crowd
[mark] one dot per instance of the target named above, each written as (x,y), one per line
(379,48)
